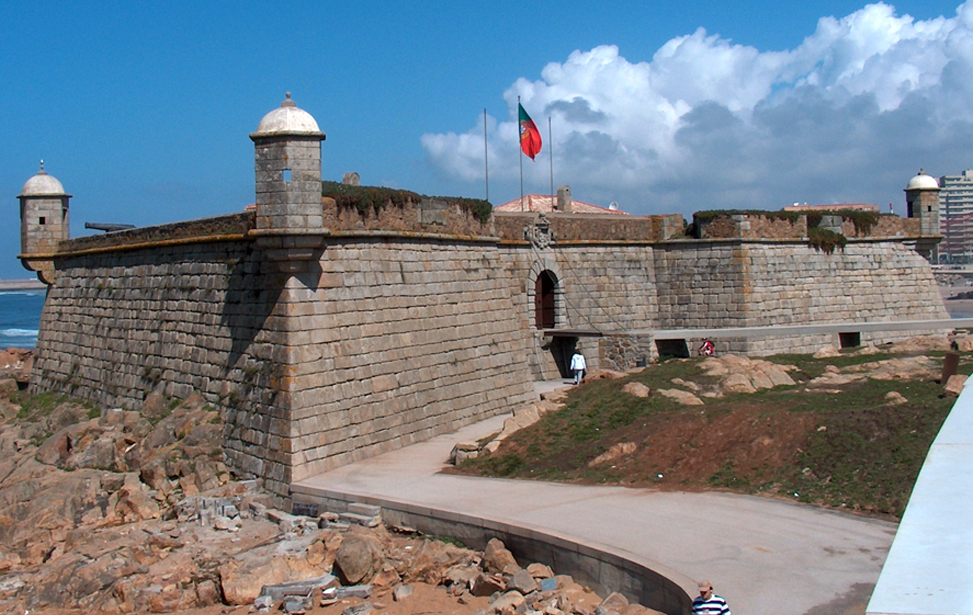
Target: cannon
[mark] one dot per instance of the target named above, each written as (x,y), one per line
(108,228)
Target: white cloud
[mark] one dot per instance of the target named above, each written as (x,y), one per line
(849,115)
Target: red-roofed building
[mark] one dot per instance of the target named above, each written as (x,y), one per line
(545,204)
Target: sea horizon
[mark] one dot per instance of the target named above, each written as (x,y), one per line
(20,317)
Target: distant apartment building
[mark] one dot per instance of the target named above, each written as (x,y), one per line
(956,209)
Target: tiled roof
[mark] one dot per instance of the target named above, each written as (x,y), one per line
(544,203)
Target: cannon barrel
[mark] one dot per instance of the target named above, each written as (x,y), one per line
(108,228)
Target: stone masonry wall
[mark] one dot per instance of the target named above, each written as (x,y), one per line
(397,340)
(381,343)
(118,326)
(603,288)
(756,284)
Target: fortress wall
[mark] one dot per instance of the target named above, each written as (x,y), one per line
(396,340)
(722,284)
(120,325)
(609,287)
(866,281)
(699,284)
(606,287)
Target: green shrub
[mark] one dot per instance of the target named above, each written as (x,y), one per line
(825,240)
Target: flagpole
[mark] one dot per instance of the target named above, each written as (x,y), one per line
(486,160)
(550,147)
(521,158)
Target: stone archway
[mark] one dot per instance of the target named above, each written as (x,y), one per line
(545,292)
(545,286)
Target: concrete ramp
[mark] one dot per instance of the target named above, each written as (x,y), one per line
(766,557)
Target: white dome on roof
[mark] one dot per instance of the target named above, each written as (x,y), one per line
(288,119)
(42,184)
(923,181)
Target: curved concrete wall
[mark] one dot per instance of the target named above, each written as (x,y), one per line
(600,567)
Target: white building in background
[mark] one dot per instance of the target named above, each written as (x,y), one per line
(956,209)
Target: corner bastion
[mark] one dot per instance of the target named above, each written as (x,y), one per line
(333,323)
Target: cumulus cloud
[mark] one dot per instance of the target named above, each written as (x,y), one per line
(847,116)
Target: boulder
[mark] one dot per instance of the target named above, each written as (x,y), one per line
(616,451)
(522,582)
(826,352)
(637,389)
(402,592)
(895,398)
(243,577)
(761,380)
(779,377)
(614,602)
(486,584)
(686,384)
(360,557)
(684,398)
(737,383)
(955,384)
(508,601)
(540,571)
(496,556)
(606,374)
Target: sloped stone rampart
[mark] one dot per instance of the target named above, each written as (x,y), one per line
(397,340)
(118,326)
(378,344)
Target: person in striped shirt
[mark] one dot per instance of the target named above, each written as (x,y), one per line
(708,603)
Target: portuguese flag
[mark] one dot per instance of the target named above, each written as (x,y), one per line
(530,137)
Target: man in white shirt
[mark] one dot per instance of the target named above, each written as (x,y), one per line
(578,366)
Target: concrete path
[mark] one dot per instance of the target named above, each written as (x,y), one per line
(765,557)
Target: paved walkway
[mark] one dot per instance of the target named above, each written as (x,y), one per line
(765,557)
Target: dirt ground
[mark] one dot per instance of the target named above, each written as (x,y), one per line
(426,600)
(754,438)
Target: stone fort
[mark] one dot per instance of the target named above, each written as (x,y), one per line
(327,331)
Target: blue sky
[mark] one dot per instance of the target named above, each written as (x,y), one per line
(143,110)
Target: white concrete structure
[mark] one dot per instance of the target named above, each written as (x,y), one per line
(930,565)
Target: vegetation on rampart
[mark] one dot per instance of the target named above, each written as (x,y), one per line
(819,238)
(825,240)
(864,221)
(372,199)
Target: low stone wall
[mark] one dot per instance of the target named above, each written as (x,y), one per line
(749,226)
(591,227)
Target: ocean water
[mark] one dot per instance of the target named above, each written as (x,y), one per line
(20,317)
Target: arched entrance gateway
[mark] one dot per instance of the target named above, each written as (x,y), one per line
(550,318)
(545,314)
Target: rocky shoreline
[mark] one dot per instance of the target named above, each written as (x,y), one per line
(122,511)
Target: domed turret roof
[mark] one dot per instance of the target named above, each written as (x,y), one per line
(42,184)
(923,181)
(288,118)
